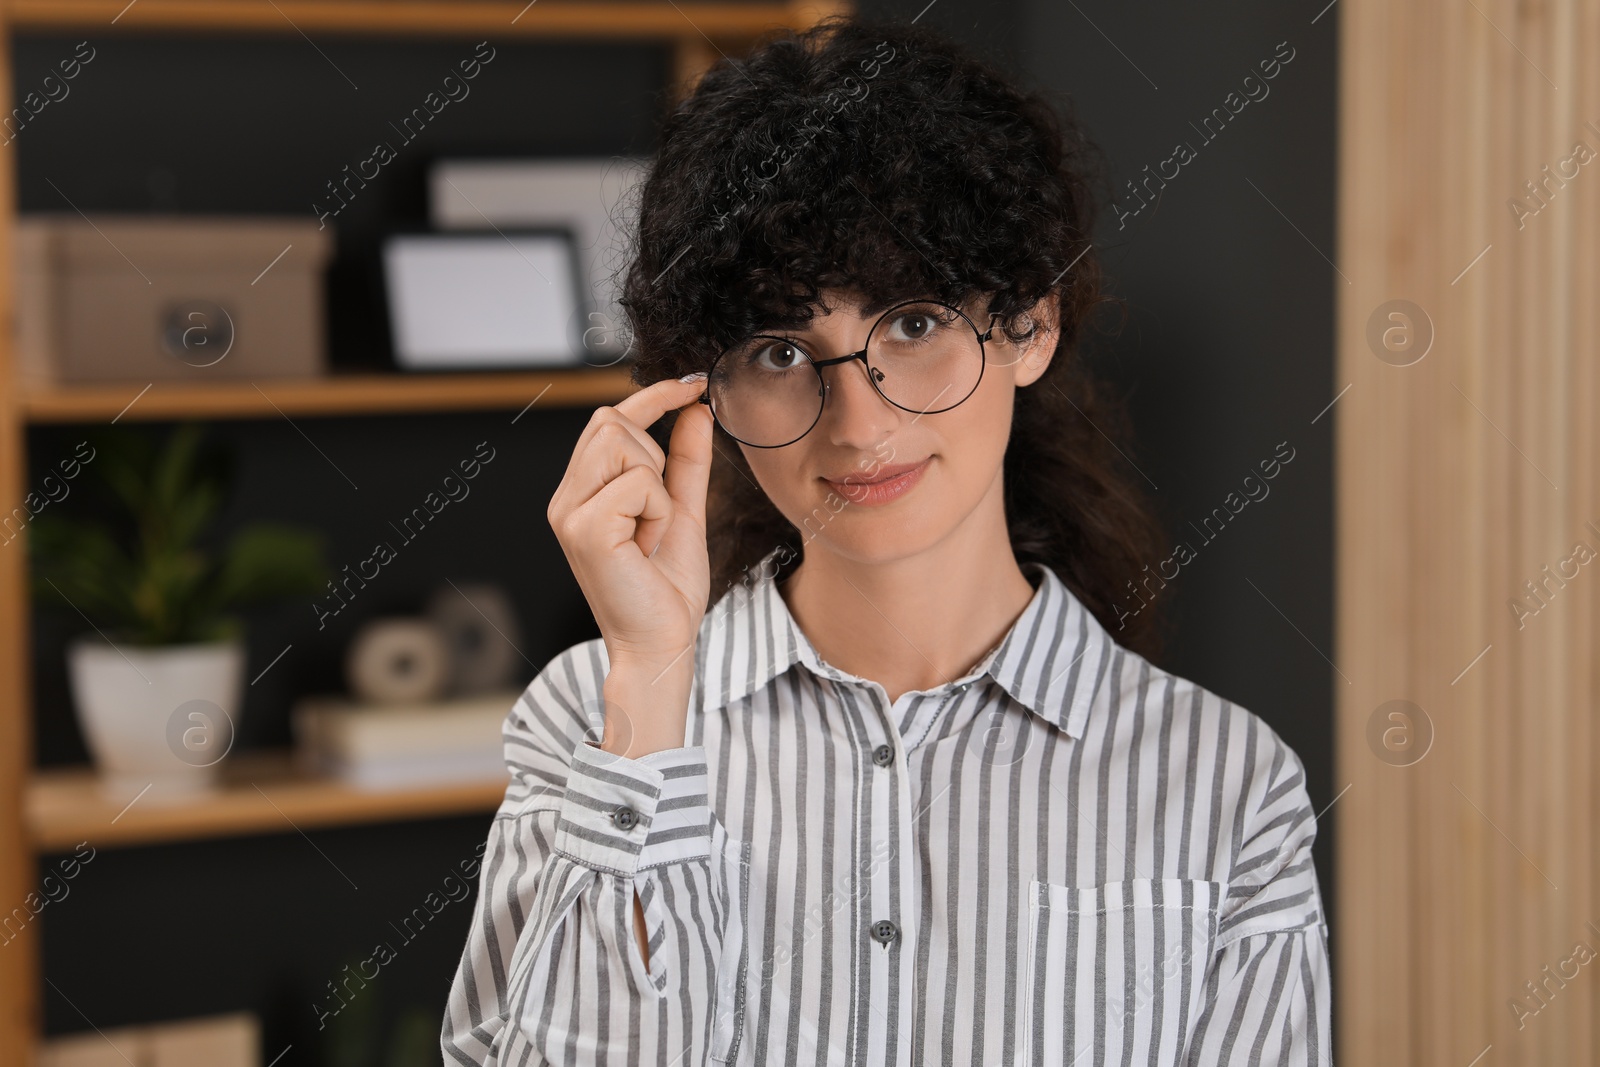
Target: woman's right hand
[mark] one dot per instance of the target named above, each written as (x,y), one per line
(632,523)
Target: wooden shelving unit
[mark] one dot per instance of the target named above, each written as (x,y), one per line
(56,809)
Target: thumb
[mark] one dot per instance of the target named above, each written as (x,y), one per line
(688,467)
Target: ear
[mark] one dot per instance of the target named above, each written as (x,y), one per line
(1038,350)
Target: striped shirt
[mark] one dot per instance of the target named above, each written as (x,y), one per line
(1067,855)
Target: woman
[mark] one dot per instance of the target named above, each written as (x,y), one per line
(910,791)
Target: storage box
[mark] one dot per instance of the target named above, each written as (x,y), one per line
(160,297)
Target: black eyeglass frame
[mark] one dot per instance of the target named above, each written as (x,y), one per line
(818,364)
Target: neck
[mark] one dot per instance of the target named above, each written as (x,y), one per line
(914,622)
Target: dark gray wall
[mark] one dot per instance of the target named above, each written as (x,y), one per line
(1229,351)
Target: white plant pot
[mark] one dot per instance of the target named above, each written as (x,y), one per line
(158,717)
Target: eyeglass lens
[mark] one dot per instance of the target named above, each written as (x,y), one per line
(924,357)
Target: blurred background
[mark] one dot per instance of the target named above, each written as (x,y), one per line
(324,193)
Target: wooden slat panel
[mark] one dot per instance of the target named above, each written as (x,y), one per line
(1459,478)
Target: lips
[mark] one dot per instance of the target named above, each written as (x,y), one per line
(881,474)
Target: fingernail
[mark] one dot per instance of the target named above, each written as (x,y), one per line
(693,376)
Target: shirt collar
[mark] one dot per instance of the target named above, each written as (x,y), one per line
(1051,661)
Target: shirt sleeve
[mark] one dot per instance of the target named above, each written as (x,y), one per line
(551,971)
(1268,988)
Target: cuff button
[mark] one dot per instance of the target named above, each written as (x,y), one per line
(625,818)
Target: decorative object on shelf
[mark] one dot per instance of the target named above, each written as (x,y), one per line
(161,718)
(398,660)
(158,684)
(429,695)
(401,746)
(495,300)
(142,298)
(232,1040)
(481,628)
(593,196)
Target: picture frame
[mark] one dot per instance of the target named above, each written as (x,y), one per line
(483,300)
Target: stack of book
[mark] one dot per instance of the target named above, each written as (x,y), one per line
(397,746)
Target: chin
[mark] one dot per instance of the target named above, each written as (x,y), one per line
(880,534)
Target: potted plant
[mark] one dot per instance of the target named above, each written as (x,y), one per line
(158,682)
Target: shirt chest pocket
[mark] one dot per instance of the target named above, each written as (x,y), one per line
(1116,972)
(728,1002)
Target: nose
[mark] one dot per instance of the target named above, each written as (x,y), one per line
(854,414)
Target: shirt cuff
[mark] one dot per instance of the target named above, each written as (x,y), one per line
(621,815)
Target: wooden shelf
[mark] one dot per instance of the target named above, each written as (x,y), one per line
(613,20)
(260,793)
(353,394)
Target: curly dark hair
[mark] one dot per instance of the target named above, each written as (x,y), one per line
(880,158)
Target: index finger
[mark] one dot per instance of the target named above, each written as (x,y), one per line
(647,405)
(639,411)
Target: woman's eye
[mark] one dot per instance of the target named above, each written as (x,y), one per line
(917,325)
(778,356)
(914,326)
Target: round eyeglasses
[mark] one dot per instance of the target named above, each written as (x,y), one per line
(921,356)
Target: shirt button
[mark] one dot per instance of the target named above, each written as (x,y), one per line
(625,818)
(884,931)
(883,755)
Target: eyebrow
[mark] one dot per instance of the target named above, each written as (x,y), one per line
(870,310)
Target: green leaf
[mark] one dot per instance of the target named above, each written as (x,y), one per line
(83,567)
(188,516)
(122,460)
(174,469)
(162,585)
(267,561)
